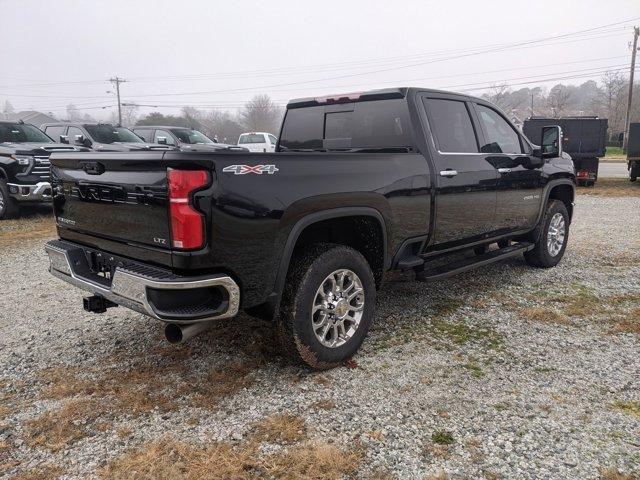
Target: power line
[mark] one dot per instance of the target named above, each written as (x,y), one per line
(586,34)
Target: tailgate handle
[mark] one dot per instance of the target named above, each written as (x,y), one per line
(93,168)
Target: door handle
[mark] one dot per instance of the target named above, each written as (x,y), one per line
(448,173)
(504,170)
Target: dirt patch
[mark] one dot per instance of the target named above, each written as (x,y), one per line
(612,187)
(180,461)
(21,230)
(43,473)
(94,397)
(281,429)
(615,474)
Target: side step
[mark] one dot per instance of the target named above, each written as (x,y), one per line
(410,262)
(454,268)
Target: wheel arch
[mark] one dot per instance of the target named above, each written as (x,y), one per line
(565,192)
(326,218)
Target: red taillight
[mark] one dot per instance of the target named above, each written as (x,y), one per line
(187,224)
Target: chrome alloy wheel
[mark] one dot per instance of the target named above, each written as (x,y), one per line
(1,202)
(556,234)
(337,308)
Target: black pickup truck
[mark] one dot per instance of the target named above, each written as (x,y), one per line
(24,166)
(394,179)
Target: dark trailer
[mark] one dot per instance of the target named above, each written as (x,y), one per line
(584,138)
(633,152)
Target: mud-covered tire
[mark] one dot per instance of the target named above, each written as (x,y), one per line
(295,320)
(8,206)
(543,254)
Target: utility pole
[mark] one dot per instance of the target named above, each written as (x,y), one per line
(117,81)
(531,104)
(627,121)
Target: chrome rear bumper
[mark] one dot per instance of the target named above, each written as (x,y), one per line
(133,289)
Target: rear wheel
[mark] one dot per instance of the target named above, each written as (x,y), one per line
(550,247)
(327,306)
(8,206)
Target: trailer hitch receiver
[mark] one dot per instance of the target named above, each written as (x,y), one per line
(97,304)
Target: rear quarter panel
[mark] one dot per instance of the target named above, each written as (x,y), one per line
(253,214)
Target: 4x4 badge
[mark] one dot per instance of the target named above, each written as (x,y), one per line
(244,169)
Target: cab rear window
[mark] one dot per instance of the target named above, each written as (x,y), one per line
(358,125)
(252,138)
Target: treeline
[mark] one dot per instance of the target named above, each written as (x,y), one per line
(606,98)
(260,114)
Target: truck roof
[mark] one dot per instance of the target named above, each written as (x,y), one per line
(379,94)
(166,127)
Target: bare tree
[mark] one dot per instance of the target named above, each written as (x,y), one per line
(558,100)
(500,95)
(7,108)
(221,124)
(613,84)
(261,114)
(129,115)
(73,114)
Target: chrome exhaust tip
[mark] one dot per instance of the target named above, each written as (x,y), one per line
(176,334)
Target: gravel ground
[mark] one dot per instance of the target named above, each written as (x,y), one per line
(505,372)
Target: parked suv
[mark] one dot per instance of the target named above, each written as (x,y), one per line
(185,138)
(102,137)
(24,166)
(411,179)
(258,142)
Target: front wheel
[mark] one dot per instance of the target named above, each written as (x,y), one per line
(327,306)
(550,247)
(8,206)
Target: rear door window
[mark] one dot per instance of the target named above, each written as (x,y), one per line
(359,125)
(451,126)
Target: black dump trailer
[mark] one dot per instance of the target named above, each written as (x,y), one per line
(633,152)
(584,138)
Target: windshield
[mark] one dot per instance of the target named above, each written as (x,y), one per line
(21,133)
(191,136)
(111,134)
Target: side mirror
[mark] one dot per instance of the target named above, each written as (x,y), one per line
(64,139)
(162,140)
(551,143)
(79,140)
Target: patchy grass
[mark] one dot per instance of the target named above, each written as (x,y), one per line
(628,324)
(281,428)
(323,405)
(57,429)
(46,472)
(580,303)
(614,153)
(21,230)
(615,474)
(474,369)
(171,460)
(161,381)
(630,408)
(442,437)
(460,333)
(612,187)
(313,461)
(543,315)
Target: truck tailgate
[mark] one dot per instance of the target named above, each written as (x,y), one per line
(118,196)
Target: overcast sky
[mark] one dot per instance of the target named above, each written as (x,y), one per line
(169,50)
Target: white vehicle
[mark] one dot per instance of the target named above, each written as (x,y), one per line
(258,142)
